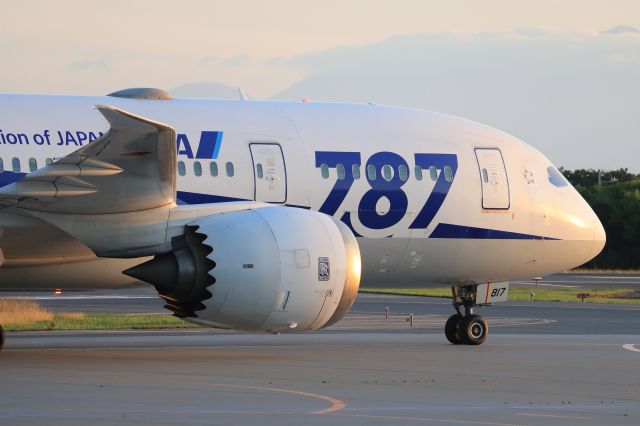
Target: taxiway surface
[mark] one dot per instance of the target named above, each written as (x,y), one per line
(544,363)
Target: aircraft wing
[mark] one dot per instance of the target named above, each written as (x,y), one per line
(131,168)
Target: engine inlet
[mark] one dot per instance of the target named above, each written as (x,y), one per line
(181,276)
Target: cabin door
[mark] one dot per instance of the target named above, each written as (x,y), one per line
(269,172)
(493,176)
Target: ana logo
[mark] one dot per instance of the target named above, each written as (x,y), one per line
(323,269)
(208,147)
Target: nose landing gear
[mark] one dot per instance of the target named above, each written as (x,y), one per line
(467,328)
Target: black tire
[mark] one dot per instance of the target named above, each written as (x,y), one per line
(473,330)
(452,329)
(1,337)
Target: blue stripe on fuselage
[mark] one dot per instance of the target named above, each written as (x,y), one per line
(184,197)
(447,230)
(7,178)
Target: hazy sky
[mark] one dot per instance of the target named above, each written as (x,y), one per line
(538,69)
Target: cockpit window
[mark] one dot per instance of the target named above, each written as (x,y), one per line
(556,178)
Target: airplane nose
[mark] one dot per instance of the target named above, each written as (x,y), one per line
(599,236)
(585,227)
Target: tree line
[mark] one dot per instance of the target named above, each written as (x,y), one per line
(615,197)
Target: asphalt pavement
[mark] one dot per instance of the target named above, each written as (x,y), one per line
(543,363)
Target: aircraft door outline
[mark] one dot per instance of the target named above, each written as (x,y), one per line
(269,172)
(496,194)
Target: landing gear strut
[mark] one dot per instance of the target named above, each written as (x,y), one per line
(465,328)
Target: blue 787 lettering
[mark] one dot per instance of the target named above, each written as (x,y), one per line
(381,187)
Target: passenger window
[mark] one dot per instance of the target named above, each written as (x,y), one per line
(229,167)
(1,165)
(418,172)
(387,172)
(433,172)
(213,168)
(355,170)
(403,172)
(15,164)
(48,161)
(259,171)
(181,168)
(33,164)
(324,170)
(448,174)
(371,172)
(485,176)
(340,171)
(197,168)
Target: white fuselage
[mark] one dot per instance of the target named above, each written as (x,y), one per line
(432,198)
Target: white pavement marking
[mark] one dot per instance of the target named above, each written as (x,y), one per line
(631,347)
(399,321)
(555,416)
(545,284)
(610,277)
(572,305)
(558,285)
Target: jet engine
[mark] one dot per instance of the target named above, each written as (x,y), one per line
(266,269)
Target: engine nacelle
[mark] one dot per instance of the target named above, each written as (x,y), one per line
(267,269)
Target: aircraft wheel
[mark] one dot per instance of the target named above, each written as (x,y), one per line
(473,330)
(452,329)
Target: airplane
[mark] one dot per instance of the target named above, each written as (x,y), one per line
(268,215)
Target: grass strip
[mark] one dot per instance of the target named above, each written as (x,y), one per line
(80,321)
(603,295)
